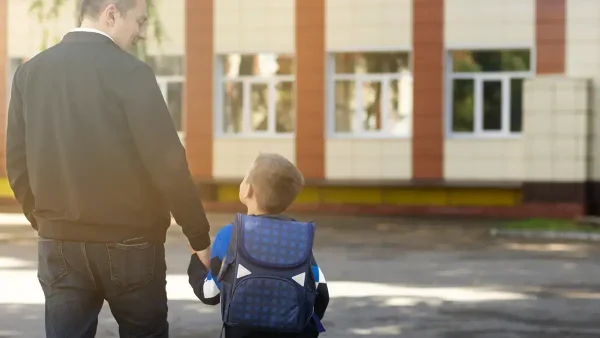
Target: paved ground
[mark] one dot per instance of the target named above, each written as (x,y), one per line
(406,278)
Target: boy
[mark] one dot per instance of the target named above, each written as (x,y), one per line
(269,188)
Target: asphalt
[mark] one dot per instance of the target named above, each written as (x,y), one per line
(389,277)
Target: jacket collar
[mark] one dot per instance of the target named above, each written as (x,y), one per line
(87,35)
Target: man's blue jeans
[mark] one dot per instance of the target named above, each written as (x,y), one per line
(77,277)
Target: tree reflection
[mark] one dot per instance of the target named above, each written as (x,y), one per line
(392,64)
(487,61)
(234,98)
(261,67)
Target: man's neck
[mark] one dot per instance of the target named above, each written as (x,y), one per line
(91,26)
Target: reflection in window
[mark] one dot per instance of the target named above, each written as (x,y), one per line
(516,108)
(371,62)
(372,105)
(264,93)
(285,107)
(13,64)
(463,105)
(487,91)
(373,93)
(166,65)
(263,65)
(491,61)
(399,105)
(172,91)
(345,105)
(492,105)
(258,106)
(175,103)
(232,107)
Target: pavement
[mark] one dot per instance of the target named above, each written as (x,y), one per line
(388,277)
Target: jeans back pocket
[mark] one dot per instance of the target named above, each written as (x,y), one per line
(51,261)
(132,265)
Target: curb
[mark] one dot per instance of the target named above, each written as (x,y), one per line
(564,235)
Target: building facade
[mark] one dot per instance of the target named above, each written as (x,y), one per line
(463,107)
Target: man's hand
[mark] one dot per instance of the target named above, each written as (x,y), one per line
(203,255)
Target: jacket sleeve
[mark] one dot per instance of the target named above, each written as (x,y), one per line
(322,300)
(203,280)
(163,154)
(16,157)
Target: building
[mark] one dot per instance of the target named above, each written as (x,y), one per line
(466,107)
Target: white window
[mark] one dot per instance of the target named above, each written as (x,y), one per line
(370,94)
(485,92)
(169,71)
(255,95)
(172,90)
(13,64)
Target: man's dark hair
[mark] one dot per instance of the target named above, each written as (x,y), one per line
(93,8)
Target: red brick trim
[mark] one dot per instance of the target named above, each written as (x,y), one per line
(199,64)
(551,36)
(310,88)
(428,90)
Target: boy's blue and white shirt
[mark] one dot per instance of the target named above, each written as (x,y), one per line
(207,288)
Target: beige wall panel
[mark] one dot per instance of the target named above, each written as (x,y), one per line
(494,23)
(377,159)
(583,38)
(373,24)
(254,26)
(484,159)
(556,113)
(25,32)
(172,18)
(233,157)
(583,60)
(25,36)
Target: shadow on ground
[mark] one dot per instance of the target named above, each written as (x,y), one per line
(380,317)
(388,278)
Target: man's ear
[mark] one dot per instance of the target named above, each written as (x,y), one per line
(110,14)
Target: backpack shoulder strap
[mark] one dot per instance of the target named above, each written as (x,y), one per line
(238,224)
(232,248)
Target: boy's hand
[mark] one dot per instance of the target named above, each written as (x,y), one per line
(203,255)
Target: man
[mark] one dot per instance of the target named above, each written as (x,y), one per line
(96,163)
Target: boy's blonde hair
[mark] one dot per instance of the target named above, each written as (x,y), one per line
(276,182)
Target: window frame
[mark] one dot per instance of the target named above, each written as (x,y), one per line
(478,79)
(383,78)
(163,81)
(10,74)
(247,80)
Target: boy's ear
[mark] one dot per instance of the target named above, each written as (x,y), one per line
(250,191)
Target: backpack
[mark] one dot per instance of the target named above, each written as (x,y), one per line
(266,278)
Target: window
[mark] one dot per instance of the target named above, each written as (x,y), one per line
(166,65)
(169,71)
(486,91)
(172,90)
(371,94)
(13,64)
(256,95)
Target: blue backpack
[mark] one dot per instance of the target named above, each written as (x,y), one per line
(266,278)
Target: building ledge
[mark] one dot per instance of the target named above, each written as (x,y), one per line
(383,183)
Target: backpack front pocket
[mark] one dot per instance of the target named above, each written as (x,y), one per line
(266,303)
